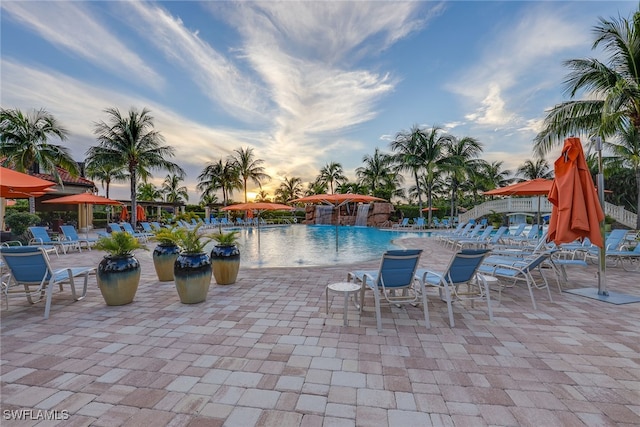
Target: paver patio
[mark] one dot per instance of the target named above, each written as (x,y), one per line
(263,352)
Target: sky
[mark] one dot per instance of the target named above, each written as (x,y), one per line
(302,83)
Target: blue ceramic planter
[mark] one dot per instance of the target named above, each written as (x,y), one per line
(226,263)
(192,274)
(164,256)
(118,279)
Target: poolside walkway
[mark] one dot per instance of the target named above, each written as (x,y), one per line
(262,352)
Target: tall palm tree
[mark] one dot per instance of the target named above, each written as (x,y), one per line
(221,175)
(533,170)
(332,173)
(377,173)
(409,157)
(132,141)
(262,196)
(626,154)
(495,176)
(611,90)
(174,193)
(460,158)
(289,189)
(25,146)
(249,168)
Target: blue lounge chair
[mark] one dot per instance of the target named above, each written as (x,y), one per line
(41,237)
(480,239)
(143,237)
(461,272)
(393,282)
(30,269)
(403,224)
(628,260)
(515,270)
(70,233)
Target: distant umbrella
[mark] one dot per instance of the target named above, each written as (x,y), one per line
(259,207)
(85,199)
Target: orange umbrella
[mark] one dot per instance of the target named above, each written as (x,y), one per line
(429,209)
(576,210)
(84,199)
(533,187)
(141,215)
(18,185)
(337,200)
(124,215)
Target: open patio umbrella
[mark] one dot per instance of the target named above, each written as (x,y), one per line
(338,200)
(533,187)
(259,207)
(18,185)
(85,199)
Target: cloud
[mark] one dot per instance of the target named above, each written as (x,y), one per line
(70,26)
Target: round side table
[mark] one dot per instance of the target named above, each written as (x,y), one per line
(345,288)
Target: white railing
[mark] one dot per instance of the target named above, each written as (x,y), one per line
(522,204)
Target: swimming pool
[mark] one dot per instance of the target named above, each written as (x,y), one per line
(313,245)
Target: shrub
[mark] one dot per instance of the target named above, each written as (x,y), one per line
(19,222)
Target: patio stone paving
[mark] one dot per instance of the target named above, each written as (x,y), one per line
(263,352)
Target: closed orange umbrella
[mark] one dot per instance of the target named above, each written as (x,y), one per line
(576,210)
(141,215)
(124,215)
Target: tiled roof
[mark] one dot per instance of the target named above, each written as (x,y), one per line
(66,178)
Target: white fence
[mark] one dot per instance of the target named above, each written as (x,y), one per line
(522,204)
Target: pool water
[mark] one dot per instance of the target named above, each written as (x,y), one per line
(313,245)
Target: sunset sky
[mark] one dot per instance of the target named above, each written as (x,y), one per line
(305,83)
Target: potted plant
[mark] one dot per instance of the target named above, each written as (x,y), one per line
(118,273)
(225,257)
(192,267)
(166,252)
(495,218)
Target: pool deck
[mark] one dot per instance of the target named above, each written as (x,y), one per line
(263,352)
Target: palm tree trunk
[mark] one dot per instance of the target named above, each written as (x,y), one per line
(415,174)
(132,188)
(638,199)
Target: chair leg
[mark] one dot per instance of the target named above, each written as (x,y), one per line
(530,286)
(487,292)
(427,323)
(376,296)
(447,294)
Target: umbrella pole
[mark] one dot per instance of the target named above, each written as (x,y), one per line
(602,262)
(337,223)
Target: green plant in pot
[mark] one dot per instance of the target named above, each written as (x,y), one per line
(118,273)
(495,218)
(225,257)
(192,267)
(166,252)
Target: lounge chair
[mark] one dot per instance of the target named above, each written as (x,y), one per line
(143,237)
(475,231)
(30,269)
(393,282)
(480,239)
(146,227)
(459,281)
(628,260)
(613,242)
(403,224)
(41,237)
(522,269)
(70,233)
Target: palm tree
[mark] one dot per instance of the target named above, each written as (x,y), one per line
(460,158)
(316,187)
(221,175)
(24,143)
(330,173)
(132,142)
(106,174)
(378,174)
(626,154)
(421,150)
(249,168)
(533,170)
(262,196)
(495,176)
(173,192)
(611,90)
(289,189)
(148,192)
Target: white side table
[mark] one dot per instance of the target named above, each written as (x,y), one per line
(345,288)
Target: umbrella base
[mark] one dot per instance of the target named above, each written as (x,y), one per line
(612,297)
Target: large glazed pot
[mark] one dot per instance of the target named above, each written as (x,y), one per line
(226,263)
(192,274)
(164,256)
(118,279)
